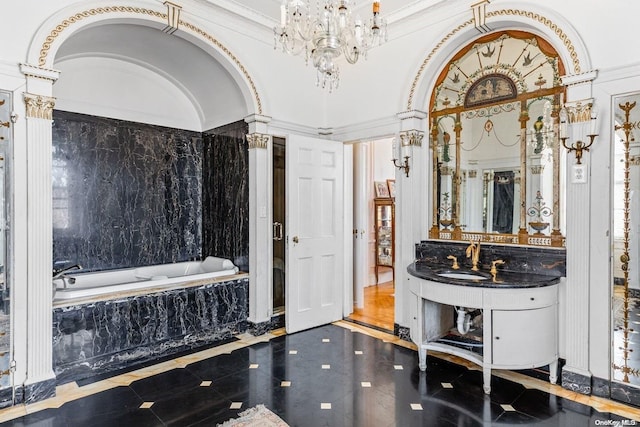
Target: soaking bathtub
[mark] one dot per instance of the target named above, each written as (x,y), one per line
(156,277)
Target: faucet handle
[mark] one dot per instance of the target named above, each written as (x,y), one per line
(495,263)
(455,265)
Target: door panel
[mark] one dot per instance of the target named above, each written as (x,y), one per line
(315,240)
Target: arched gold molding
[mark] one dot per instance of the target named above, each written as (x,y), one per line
(503,12)
(66,23)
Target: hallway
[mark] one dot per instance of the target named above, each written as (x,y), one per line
(361,376)
(378,310)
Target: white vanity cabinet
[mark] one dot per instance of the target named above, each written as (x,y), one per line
(520,324)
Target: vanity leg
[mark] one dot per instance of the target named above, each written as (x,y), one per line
(486,379)
(553,371)
(422,359)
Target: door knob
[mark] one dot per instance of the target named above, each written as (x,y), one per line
(295,239)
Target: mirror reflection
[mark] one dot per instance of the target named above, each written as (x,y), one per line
(494,140)
(626,241)
(6,352)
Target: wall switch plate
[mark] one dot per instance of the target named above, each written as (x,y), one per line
(579,174)
(263,212)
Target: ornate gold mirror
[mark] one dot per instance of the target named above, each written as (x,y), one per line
(626,241)
(494,141)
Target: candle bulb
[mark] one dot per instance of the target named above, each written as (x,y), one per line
(563,129)
(406,148)
(283,15)
(594,122)
(563,123)
(376,7)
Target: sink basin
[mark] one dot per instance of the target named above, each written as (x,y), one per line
(463,276)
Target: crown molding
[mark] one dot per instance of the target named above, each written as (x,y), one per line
(618,73)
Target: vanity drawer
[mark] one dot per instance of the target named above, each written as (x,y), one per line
(520,299)
(443,293)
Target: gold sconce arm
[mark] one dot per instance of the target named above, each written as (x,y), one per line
(578,147)
(404,165)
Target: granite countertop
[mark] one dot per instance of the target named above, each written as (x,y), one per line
(504,278)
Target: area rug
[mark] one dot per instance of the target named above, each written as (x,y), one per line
(258,416)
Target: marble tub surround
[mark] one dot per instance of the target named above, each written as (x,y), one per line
(225,198)
(93,338)
(526,260)
(125,194)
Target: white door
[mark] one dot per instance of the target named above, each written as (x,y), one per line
(315,236)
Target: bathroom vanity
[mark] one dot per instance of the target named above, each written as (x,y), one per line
(519,327)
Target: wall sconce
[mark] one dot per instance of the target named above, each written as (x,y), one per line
(407,139)
(587,116)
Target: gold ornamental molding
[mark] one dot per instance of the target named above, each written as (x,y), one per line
(503,12)
(46,46)
(66,23)
(258,140)
(39,107)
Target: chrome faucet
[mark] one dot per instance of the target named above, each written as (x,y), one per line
(57,274)
(473,252)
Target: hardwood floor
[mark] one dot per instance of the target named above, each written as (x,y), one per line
(378,308)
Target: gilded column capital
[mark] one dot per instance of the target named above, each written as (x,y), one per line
(39,107)
(537,169)
(258,140)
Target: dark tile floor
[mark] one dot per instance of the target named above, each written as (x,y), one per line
(358,379)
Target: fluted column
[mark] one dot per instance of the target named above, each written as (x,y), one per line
(260,221)
(40,378)
(576,374)
(411,215)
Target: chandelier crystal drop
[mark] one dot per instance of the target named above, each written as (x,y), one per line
(326,33)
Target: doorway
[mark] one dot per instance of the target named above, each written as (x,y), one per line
(374,258)
(279,222)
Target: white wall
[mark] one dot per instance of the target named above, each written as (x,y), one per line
(118,89)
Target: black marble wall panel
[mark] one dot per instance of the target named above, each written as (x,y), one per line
(226,195)
(124,194)
(523,259)
(94,338)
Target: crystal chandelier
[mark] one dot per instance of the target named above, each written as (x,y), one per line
(326,33)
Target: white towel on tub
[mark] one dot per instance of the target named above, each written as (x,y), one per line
(211,264)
